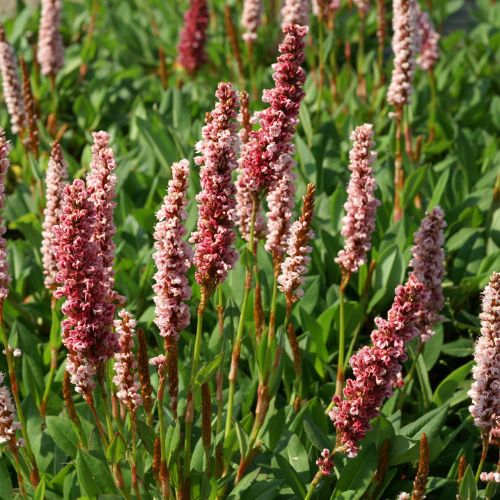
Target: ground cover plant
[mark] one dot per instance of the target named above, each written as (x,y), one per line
(250,250)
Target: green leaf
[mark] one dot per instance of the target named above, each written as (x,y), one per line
(242,437)
(439,188)
(430,423)
(317,437)
(243,485)
(357,474)
(172,440)
(468,258)
(116,449)
(63,434)
(382,430)
(5,482)
(266,489)
(40,490)
(33,378)
(461,348)
(291,478)
(94,475)
(449,385)
(468,488)
(389,272)
(247,258)
(147,435)
(207,372)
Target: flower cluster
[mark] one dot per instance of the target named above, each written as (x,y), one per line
(214,253)
(173,256)
(403,496)
(5,278)
(267,153)
(363,5)
(485,390)
(8,427)
(490,476)
(325,7)
(87,329)
(126,364)
(405,44)
(15,352)
(251,19)
(11,83)
(376,367)
(244,198)
(55,181)
(361,205)
(428,268)
(193,38)
(50,44)
(281,202)
(429,39)
(325,463)
(295,12)
(101,183)
(295,266)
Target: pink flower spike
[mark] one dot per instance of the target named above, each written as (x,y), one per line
(325,463)
(376,368)
(361,205)
(266,156)
(295,12)
(126,364)
(215,235)
(87,329)
(428,268)
(11,84)
(101,182)
(251,19)
(429,51)
(5,278)
(50,44)
(490,476)
(173,256)
(8,427)
(405,45)
(193,37)
(55,181)
(485,407)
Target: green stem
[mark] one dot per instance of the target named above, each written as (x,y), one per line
(233,373)
(53,367)
(17,400)
(410,376)
(104,396)
(483,456)
(340,364)
(197,345)
(398,167)
(133,460)
(314,483)
(187,451)
(361,56)
(321,81)
(161,417)
(432,117)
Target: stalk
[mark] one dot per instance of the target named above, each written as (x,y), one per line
(410,376)
(35,475)
(483,455)
(104,396)
(20,478)
(89,399)
(346,277)
(163,467)
(432,117)
(398,168)
(220,380)
(361,57)
(321,81)
(233,373)
(133,462)
(334,76)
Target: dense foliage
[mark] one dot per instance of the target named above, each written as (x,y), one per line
(121,74)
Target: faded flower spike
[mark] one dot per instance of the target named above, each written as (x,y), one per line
(251,19)
(429,51)
(193,38)
(50,44)
(374,368)
(173,257)
(295,12)
(215,236)
(55,181)
(428,268)
(405,44)
(11,84)
(361,205)
(295,265)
